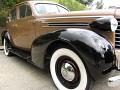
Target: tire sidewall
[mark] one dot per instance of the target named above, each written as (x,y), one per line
(83,85)
(7,52)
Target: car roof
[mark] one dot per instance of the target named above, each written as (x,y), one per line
(41,1)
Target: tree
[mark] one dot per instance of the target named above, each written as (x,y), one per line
(73,5)
(6,4)
(10,3)
(99,4)
(85,2)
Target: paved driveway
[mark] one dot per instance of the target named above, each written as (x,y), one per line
(17,74)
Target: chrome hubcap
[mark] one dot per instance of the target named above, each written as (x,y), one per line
(68,72)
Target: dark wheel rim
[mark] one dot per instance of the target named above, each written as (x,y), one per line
(68,72)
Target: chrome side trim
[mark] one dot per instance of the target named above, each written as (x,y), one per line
(59,17)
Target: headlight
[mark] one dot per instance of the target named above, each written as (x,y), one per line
(105,23)
(114,24)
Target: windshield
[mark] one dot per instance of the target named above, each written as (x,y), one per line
(50,8)
(105,4)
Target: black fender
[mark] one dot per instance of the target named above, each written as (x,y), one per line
(95,50)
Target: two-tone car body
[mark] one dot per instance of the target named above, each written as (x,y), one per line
(75,46)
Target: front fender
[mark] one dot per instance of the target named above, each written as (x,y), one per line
(85,42)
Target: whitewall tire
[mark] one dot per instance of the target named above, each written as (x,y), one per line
(6,46)
(68,71)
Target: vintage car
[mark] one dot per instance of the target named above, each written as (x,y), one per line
(77,47)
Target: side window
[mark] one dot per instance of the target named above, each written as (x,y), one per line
(25,10)
(22,11)
(13,14)
(29,12)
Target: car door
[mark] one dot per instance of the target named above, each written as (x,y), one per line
(11,24)
(24,32)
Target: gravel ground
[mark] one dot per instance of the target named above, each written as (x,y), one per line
(17,74)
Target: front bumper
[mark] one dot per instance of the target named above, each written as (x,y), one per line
(115,80)
(117,52)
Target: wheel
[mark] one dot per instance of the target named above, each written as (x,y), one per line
(68,71)
(6,46)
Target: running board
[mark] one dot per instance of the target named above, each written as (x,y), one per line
(23,54)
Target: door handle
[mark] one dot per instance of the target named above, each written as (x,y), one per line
(15,25)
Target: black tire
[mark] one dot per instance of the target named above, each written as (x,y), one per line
(68,71)
(6,46)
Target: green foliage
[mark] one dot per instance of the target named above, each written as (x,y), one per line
(6,4)
(86,2)
(73,5)
(3,13)
(10,3)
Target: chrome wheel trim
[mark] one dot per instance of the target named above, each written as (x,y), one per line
(68,72)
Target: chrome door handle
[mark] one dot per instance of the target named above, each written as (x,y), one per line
(15,25)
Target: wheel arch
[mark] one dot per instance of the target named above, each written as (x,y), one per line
(61,44)
(52,47)
(3,36)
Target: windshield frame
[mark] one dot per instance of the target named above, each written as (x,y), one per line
(57,5)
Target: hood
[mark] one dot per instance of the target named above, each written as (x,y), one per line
(110,12)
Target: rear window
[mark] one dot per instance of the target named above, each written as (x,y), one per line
(25,10)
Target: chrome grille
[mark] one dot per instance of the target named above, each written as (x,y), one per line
(117,35)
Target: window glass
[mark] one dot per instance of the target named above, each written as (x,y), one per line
(22,11)
(13,14)
(29,12)
(25,10)
(62,10)
(40,8)
(46,8)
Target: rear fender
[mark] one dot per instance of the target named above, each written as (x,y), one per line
(5,35)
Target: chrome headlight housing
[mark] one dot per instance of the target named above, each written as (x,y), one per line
(105,24)
(114,24)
